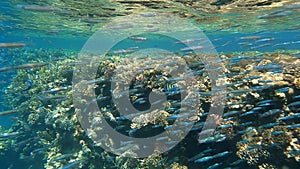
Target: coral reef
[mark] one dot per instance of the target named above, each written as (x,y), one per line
(259,127)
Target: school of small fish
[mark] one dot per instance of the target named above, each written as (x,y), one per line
(259,126)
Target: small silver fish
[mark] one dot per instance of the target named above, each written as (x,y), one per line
(189,41)
(294,104)
(9,112)
(53,97)
(23,142)
(138,38)
(120,26)
(246,124)
(149,14)
(215,166)
(293,126)
(92,20)
(123,51)
(191,48)
(261,46)
(231,113)
(38,150)
(290,117)
(162,138)
(24,66)
(203,153)
(62,157)
(203,159)
(225,44)
(245,44)
(56,89)
(152,30)
(208,158)
(265,40)
(6,135)
(268,125)
(37,8)
(72,164)
(270,113)
(12,45)
(249,38)
(276,14)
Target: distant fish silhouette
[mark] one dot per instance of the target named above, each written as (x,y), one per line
(12,45)
(24,66)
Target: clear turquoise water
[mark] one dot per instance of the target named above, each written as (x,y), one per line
(14,27)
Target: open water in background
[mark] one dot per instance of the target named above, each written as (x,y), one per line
(225,41)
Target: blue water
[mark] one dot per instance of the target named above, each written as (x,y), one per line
(47,45)
(226,43)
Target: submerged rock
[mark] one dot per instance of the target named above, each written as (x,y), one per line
(259,126)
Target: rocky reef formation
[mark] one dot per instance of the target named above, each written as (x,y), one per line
(259,127)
